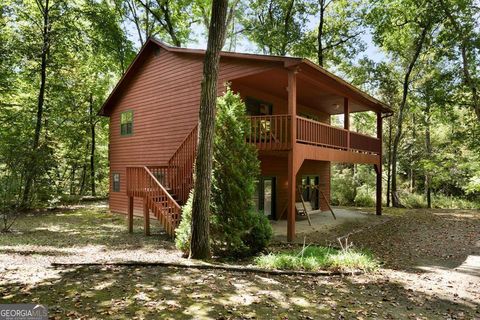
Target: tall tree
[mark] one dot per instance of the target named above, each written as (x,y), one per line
(58,55)
(462,15)
(339,29)
(381,78)
(276,26)
(402,28)
(236,9)
(200,244)
(137,14)
(418,45)
(44,9)
(174,18)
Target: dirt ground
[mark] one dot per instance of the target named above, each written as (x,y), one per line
(430,271)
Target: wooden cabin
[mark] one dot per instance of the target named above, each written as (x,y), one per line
(153,114)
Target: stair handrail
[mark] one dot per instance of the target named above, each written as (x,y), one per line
(194,129)
(177,182)
(162,188)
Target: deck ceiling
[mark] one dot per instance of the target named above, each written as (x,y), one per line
(309,93)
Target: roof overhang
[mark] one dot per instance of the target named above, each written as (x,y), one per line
(306,65)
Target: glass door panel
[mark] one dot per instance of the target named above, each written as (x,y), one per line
(264,197)
(267,196)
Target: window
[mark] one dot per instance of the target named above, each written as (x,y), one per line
(265,196)
(126,123)
(116,182)
(257,107)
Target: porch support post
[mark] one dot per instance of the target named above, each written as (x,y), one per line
(378,167)
(146,217)
(130,214)
(346,119)
(292,111)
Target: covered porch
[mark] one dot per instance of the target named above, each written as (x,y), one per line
(290,111)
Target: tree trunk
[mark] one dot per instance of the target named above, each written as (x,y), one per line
(231,21)
(32,166)
(401,112)
(389,161)
(286,27)
(136,21)
(428,147)
(467,78)
(200,242)
(84,178)
(72,179)
(412,155)
(320,32)
(469,81)
(92,148)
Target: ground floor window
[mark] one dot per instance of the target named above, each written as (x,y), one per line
(265,196)
(116,182)
(311,193)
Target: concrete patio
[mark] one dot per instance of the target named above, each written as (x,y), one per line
(322,222)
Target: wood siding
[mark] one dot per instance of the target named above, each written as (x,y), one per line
(274,166)
(164,94)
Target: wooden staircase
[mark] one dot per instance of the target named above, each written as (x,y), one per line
(163,188)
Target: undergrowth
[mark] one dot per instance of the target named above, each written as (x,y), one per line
(315,258)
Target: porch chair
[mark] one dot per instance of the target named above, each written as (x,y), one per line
(303,210)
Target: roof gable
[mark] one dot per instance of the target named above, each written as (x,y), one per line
(152,44)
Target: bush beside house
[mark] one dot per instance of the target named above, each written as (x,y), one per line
(236,228)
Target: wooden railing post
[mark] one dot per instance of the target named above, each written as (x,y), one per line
(130,214)
(146,217)
(346,120)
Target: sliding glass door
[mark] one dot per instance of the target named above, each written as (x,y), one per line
(310,192)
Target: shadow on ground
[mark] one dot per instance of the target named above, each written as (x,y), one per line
(157,292)
(90,226)
(427,272)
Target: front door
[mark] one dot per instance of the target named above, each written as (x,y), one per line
(264,197)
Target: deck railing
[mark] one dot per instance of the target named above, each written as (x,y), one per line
(324,135)
(321,134)
(361,142)
(270,132)
(181,164)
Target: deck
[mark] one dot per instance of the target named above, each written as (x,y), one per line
(272,132)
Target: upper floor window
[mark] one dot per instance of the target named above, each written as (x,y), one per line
(126,123)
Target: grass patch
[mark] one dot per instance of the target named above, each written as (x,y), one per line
(319,258)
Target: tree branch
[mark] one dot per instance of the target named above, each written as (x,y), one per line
(342,41)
